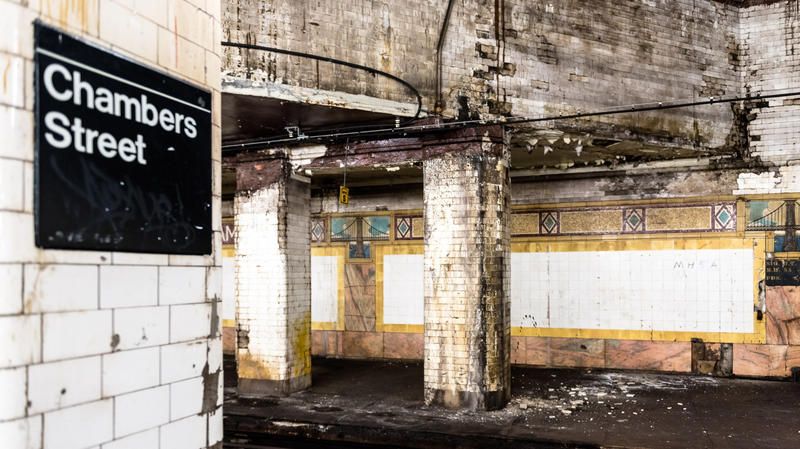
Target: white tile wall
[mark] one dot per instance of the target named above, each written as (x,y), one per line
(141,410)
(127,286)
(25,331)
(10,288)
(324,288)
(61,426)
(16,126)
(214,355)
(215,429)
(20,248)
(669,290)
(139,259)
(181,285)
(140,34)
(403,292)
(12,197)
(189,322)
(185,398)
(12,384)
(213,283)
(60,288)
(128,371)
(140,327)
(142,440)
(14,86)
(88,333)
(25,433)
(188,433)
(62,384)
(182,361)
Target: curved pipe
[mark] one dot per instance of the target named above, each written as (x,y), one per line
(333,61)
(439,45)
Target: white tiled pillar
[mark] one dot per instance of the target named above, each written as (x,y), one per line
(467,255)
(273,279)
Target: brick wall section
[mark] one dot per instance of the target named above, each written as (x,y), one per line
(570,55)
(771,58)
(273,282)
(103,349)
(538,58)
(467,254)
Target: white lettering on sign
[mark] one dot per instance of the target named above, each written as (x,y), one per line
(85,140)
(65,86)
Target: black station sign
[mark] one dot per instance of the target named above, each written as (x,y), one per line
(123,153)
(782,272)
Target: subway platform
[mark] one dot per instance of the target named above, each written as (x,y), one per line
(379,404)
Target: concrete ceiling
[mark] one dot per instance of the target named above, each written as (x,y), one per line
(245,117)
(533,149)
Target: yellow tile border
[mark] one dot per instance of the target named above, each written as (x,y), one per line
(716,241)
(407,247)
(324,326)
(786,255)
(340,252)
(673,202)
(404,328)
(741,219)
(624,237)
(364,213)
(759,336)
(610,334)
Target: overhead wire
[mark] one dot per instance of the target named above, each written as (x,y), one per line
(507,121)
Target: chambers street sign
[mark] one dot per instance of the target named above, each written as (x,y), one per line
(123,153)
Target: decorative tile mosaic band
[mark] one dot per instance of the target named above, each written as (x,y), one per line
(408,227)
(318,229)
(633,220)
(349,229)
(549,223)
(712,217)
(715,217)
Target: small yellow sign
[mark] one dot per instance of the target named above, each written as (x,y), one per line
(344,195)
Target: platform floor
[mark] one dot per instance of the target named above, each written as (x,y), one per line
(360,404)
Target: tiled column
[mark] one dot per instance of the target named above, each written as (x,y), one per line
(467,254)
(273,279)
